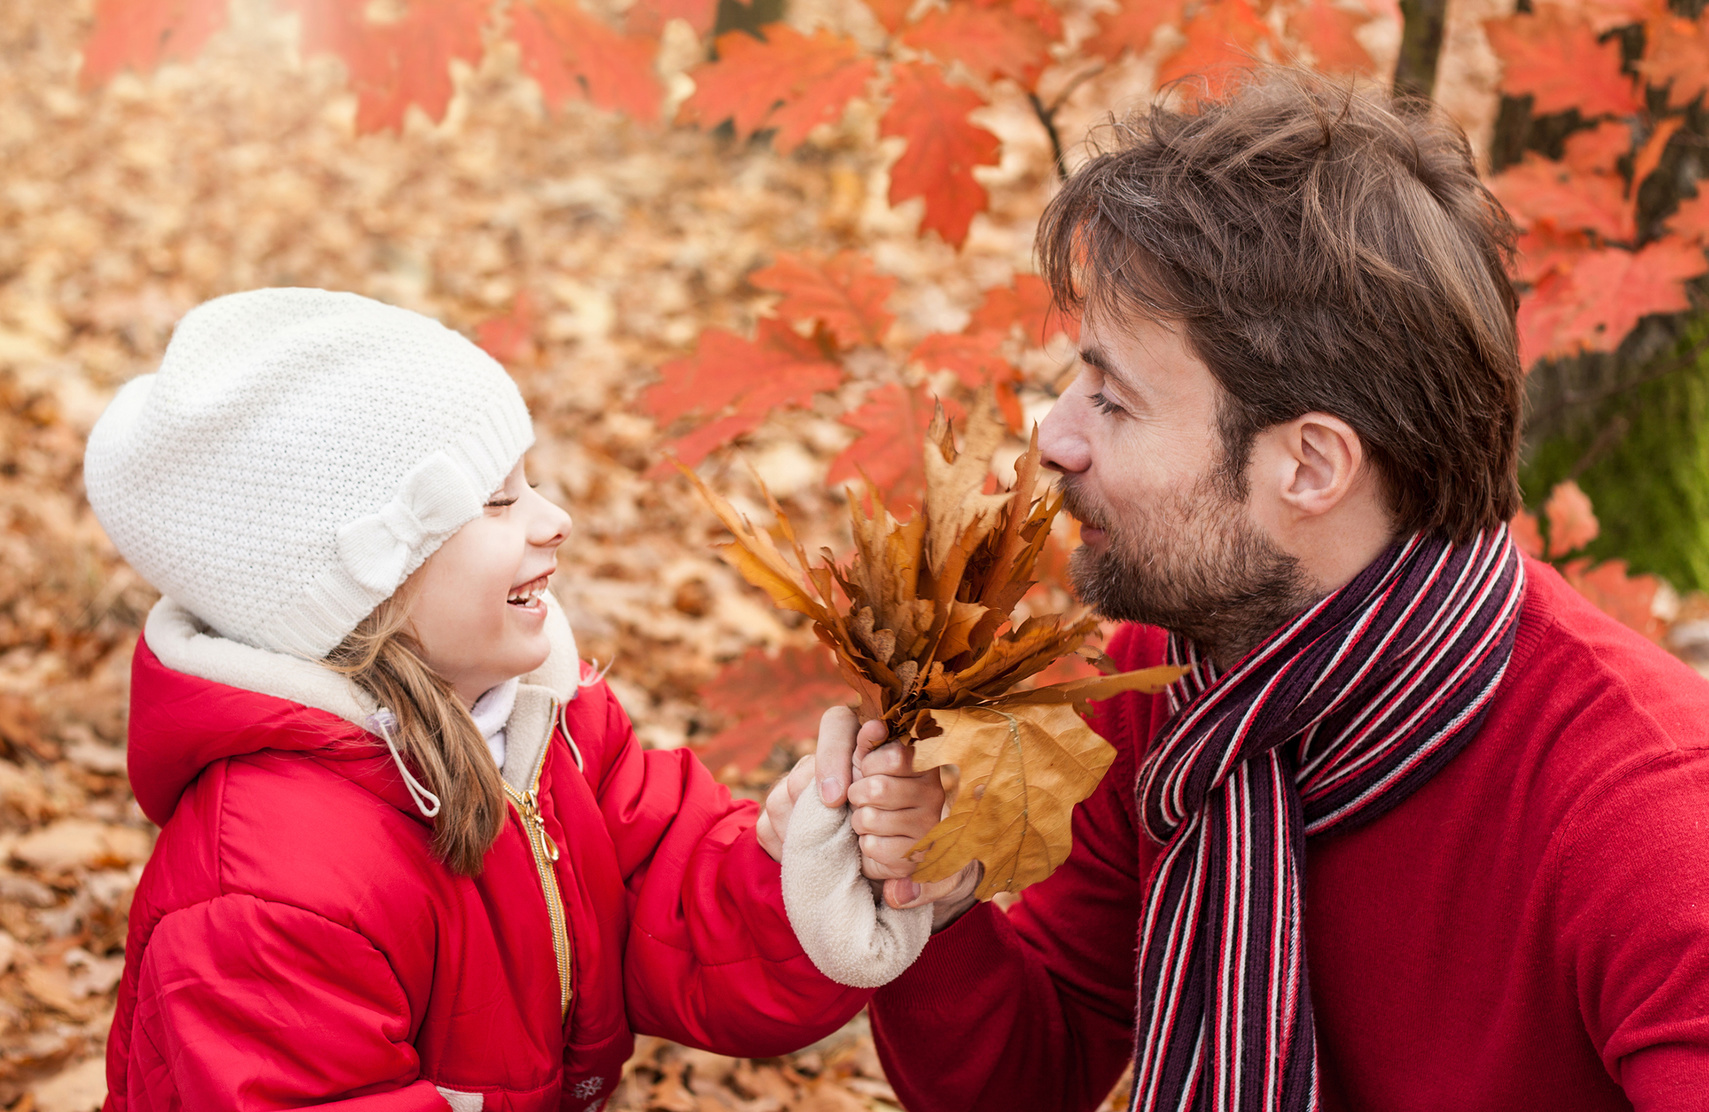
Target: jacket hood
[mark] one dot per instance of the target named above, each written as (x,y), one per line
(197,698)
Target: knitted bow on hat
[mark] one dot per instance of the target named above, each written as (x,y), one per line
(433,501)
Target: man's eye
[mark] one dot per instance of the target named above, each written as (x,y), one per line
(1103,404)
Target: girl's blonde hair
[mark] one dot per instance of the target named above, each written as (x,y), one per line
(434,731)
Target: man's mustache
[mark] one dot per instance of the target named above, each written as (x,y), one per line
(1078,504)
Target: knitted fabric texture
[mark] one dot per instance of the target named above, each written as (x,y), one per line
(1330,722)
(297,455)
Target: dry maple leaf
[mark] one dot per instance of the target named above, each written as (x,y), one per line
(1678,57)
(921,620)
(1328,30)
(786,81)
(769,699)
(891,426)
(1558,60)
(989,41)
(1572,523)
(143,33)
(844,293)
(1131,26)
(398,52)
(570,52)
(735,383)
(1025,303)
(1613,289)
(943,148)
(1540,189)
(1222,37)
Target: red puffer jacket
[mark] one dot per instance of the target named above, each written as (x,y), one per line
(294,943)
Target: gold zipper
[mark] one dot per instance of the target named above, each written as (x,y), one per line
(545,852)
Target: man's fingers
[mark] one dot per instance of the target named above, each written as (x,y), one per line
(835,754)
(912,893)
(873,734)
(882,858)
(887,760)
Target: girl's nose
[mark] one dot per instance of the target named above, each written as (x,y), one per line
(551,525)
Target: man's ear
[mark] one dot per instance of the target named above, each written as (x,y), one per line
(1321,460)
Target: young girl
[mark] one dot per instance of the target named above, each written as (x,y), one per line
(411,855)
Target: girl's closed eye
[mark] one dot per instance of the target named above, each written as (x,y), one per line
(500,503)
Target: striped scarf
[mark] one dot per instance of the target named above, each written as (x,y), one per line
(1331,721)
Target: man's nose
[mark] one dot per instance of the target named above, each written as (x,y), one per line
(1061,441)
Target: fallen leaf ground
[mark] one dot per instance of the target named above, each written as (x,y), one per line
(121,209)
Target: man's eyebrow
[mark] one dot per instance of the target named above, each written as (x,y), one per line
(1093,356)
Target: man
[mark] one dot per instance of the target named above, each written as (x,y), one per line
(1420,829)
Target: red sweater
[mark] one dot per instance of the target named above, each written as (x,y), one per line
(1530,930)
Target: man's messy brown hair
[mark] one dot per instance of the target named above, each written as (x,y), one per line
(1326,249)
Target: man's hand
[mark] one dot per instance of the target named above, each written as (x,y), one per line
(841,744)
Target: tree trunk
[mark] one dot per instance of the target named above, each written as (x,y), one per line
(1423,25)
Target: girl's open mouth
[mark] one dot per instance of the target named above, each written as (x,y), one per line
(527,596)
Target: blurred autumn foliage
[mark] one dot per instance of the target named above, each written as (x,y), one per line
(692,228)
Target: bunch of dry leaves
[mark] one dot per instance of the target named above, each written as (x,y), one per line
(922,624)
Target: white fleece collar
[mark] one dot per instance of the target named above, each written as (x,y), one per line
(185,645)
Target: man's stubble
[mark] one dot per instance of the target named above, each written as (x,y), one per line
(1195,565)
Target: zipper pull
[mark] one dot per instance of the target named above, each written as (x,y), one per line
(532,813)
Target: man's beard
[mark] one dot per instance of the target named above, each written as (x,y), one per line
(1194,566)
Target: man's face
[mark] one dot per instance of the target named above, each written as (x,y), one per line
(1165,540)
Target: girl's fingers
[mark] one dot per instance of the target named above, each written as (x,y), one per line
(886,858)
(799,777)
(837,738)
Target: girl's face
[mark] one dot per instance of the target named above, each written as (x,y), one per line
(477,610)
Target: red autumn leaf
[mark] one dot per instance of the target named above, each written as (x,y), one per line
(1542,314)
(1595,150)
(1629,599)
(510,338)
(977,360)
(1539,189)
(398,54)
(1024,303)
(1328,30)
(769,700)
(1572,523)
(787,81)
(1544,250)
(142,34)
(1038,12)
(1649,155)
(1222,37)
(737,383)
(571,52)
(892,425)
(648,17)
(1691,219)
(943,148)
(989,41)
(1678,57)
(1557,59)
(1613,289)
(1526,534)
(1605,15)
(843,293)
(890,13)
(1131,26)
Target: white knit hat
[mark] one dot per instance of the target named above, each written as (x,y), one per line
(297,455)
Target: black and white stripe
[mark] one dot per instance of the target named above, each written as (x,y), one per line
(1328,723)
